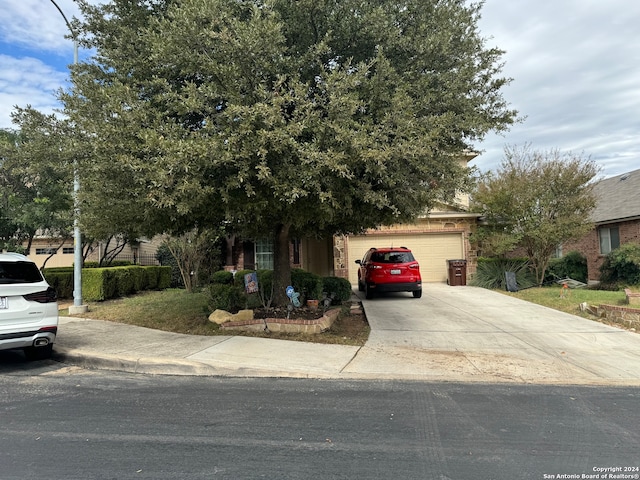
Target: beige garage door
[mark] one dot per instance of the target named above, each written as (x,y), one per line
(432,250)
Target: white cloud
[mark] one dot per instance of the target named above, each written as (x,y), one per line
(576,71)
(27,81)
(36,24)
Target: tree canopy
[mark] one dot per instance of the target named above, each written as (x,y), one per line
(536,200)
(35,180)
(281,118)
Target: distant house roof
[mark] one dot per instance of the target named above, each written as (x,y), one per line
(618,198)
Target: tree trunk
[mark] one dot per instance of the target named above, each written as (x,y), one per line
(281,266)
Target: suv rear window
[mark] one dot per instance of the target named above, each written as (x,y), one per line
(19,272)
(392,257)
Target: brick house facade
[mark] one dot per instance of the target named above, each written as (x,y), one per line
(589,245)
(616,221)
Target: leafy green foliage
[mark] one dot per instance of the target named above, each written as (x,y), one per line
(61,280)
(221,296)
(223,277)
(227,292)
(490,273)
(536,200)
(572,265)
(308,284)
(35,179)
(195,254)
(621,267)
(340,288)
(164,256)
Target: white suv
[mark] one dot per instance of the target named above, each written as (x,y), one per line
(28,307)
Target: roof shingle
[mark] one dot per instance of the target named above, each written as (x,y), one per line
(618,198)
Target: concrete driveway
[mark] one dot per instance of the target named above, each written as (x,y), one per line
(472,334)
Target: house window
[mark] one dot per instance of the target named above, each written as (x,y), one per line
(264,254)
(557,252)
(609,239)
(46,251)
(68,250)
(296,251)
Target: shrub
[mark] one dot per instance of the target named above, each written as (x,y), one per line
(238,279)
(265,283)
(621,267)
(572,265)
(223,277)
(163,255)
(113,263)
(234,297)
(339,287)
(491,273)
(61,279)
(98,284)
(103,283)
(308,284)
(124,281)
(152,276)
(223,297)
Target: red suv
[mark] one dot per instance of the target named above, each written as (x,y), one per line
(389,270)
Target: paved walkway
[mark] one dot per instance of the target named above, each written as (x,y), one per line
(450,334)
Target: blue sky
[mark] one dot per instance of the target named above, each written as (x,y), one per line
(575,66)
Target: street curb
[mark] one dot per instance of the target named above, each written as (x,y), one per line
(148,365)
(168,366)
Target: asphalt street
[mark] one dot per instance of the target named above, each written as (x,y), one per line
(76,424)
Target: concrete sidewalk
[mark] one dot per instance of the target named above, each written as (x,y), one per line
(450,334)
(115,346)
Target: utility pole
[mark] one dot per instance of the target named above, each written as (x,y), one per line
(78,307)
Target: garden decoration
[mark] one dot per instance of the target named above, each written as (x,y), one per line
(327,299)
(294,300)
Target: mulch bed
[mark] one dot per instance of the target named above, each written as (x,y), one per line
(302,313)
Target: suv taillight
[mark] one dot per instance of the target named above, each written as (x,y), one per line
(46,296)
(414,265)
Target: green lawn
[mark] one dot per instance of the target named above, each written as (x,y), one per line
(175,310)
(172,310)
(551,297)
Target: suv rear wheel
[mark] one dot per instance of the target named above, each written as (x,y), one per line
(368,293)
(417,293)
(39,353)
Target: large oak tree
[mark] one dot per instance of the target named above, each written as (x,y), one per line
(282,118)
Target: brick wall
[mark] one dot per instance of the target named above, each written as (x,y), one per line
(589,245)
(626,316)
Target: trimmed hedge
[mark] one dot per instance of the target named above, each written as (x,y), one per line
(61,279)
(340,288)
(227,292)
(307,283)
(104,283)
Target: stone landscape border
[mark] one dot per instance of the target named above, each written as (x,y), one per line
(291,325)
(633,298)
(626,316)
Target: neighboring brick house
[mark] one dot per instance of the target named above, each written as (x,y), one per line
(616,220)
